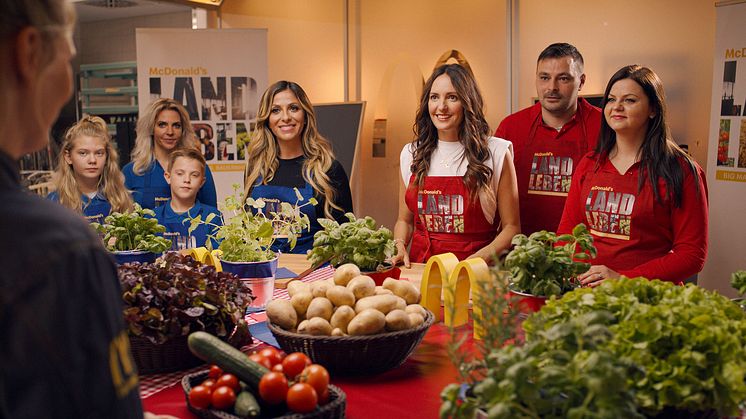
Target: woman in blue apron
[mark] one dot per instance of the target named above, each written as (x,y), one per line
(87,179)
(287,152)
(161,129)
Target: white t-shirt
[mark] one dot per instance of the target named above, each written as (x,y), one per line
(448,160)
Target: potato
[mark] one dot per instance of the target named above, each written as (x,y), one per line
(303,327)
(318,327)
(300,303)
(398,320)
(319,288)
(338,332)
(367,322)
(342,317)
(382,303)
(345,273)
(362,286)
(282,313)
(403,289)
(320,307)
(296,286)
(340,296)
(416,319)
(382,291)
(416,308)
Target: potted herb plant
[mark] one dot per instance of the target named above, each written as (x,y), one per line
(166,300)
(359,241)
(133,236)
(247,235)
(544,264)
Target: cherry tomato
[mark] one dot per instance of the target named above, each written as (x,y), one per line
(261,360)
(223,397)
(317,377)
(278,368)
(273,355)
(229,380)
(199,397)
(302,398)
(209,383)
(324,397)
(294,364)
(273,387)
(215,372)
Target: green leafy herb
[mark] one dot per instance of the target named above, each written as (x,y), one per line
(688,343)
(136,230)
(546,264)
(357,241)
(738,281)
(177,295)
(249,232)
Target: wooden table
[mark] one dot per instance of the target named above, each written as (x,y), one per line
(299,263)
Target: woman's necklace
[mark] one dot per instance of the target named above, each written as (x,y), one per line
(450,159)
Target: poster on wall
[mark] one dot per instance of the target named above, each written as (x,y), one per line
(219,76)
(726,162)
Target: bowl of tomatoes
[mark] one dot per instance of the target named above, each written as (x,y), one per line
(292,387)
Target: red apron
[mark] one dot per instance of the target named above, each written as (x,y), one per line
(545,169)
(445,220)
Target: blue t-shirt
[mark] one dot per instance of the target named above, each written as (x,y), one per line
(177,225)
(94,209)
(151,190)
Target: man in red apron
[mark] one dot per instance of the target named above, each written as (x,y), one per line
(550,137)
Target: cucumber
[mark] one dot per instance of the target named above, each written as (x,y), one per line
(212,350)
(246,405)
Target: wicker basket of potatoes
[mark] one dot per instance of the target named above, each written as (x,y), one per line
(348,324)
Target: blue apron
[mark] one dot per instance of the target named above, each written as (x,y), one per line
(273,197)
(94,210)
(177,225)
(151,189)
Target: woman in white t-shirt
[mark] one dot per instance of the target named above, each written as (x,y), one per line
(459,192)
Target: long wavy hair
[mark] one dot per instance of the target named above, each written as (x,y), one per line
(263,150)
(659,155)
(111,181)
(473,132)
(144,152)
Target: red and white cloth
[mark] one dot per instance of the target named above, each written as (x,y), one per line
(153,383)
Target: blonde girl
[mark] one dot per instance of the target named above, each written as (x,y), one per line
(88,179)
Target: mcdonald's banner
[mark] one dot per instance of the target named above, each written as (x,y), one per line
(726,162)
(219,76)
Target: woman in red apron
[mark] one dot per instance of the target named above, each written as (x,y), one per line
(459,192)
(642,197)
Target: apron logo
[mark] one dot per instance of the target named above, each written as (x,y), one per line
(609,213)
(550,174)
(441,213)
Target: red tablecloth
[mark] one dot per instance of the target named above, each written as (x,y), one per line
(409,391)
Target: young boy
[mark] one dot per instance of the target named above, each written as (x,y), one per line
(186,175)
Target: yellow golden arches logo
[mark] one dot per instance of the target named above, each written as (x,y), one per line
(456,55)
(123,372)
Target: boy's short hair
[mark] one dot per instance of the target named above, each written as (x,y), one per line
(190,153)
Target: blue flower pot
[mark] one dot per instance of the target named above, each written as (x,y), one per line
(130,256)
(260,278)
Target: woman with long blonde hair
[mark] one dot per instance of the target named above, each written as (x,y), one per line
(458,192)
(161,129)
(87,179)
(287,152)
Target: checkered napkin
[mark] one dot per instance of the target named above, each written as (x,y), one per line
(153,383)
